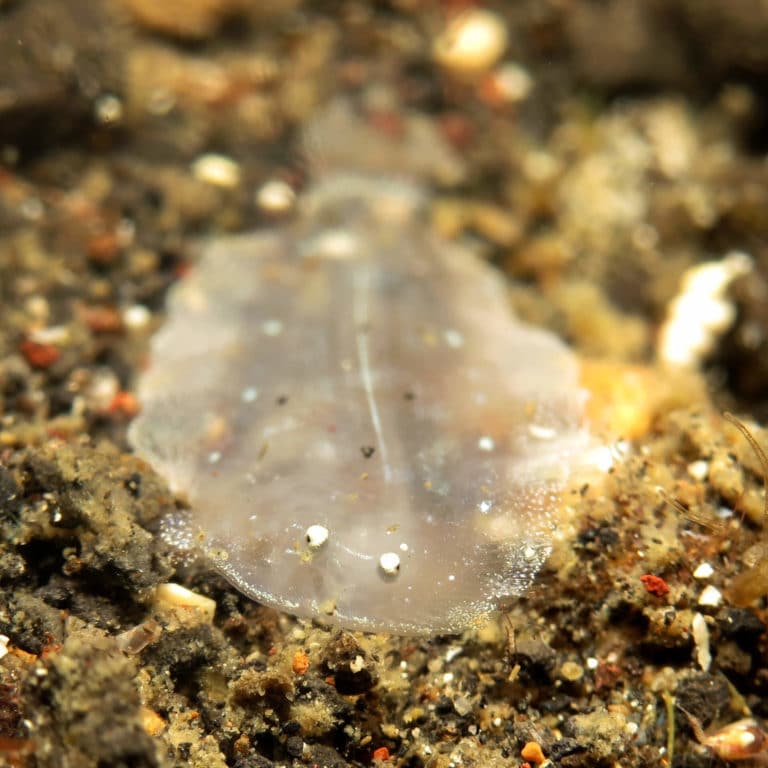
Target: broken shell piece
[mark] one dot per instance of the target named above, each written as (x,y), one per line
(217,170)
(136,639)
(710,597)
(700,634)
(472,42)
(701,312)
(275,196)
(186,606)
(703,571)
(151,722)
(741,740)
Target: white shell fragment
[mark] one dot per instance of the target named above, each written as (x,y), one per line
(472,42)
(710,596)
(190,606)
(365,460)
(217,170)
(702,311)
(275,196)
(700,634)
(703,571)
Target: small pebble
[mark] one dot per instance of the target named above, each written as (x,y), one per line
(151,722)
(108,109)
(571,671)
(32,209)
(275,197)
(300,663)
(102,389)
(698,470)
(701,640)
(711,596)
(471,43)
(183,19)
(462,705)
(453,652)
(217,170)
(704,571)
(184,604)
(136,639)
(510,84)
(701,311)
(532,753)
(38,308)
(541,433)
(39,355)
(136,317)
(52,334)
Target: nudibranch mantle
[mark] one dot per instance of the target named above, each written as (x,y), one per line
(363,429)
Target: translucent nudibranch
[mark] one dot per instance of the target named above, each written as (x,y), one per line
(363,429)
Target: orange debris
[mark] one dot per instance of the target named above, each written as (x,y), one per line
(39,355)
(655,585)
(300,662)
(532,753)
(124,403)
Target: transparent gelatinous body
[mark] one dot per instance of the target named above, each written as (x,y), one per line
(362,428)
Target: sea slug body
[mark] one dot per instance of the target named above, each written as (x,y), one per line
(363,429)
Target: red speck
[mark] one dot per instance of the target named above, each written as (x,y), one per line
(408,651)
(491,91)
(455,7)
(50,650)
(102,248)
(607,675)
(103,319)
(457,129)
(182,269)
(15,747)
(125,404)
(58,434)
(382,753)
(39,355)
(389,123)
(655,585)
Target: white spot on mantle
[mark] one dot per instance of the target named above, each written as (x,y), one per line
(272,327)
(485,443)
(317,536)
(389,563)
